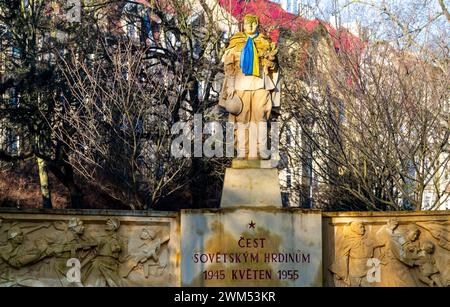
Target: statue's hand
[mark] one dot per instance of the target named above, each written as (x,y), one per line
(230,92)
(229,89)
(15,263)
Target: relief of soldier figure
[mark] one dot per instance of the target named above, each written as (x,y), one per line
(147,258)
(14,255)
(102,270)
(31,256)
(350,268)
(405,258)
(68,242)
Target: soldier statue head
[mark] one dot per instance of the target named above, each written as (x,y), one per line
(147,234)
(76,225)
(428,247)
(358,228)
(15,235)
(392,224)
(251,24)
(112,224)
(413,233)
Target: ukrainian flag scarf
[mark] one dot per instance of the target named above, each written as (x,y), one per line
(249,57)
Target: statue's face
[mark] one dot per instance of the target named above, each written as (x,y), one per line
(361,229)
(250,27)
(109,226)
(79,229)
(429,249)
(392,224)
(147,235)
(413,235)
(18,239)
(358,228)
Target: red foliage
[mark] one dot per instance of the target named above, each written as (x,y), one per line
(273,18)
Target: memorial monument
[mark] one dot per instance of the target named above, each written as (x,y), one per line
(251,240)
(250,89)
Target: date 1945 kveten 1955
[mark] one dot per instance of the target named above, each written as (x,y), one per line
(250,274)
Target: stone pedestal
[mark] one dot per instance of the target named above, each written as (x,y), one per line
(251,240)
(251,183)
(251,247)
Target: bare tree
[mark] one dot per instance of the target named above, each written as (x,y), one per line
(31,32)
(152,66)
(117,124)
(373,121)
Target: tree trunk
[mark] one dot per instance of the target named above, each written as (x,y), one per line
(306,179)
(43,181)
(198,184)
(74,190)
(67,179)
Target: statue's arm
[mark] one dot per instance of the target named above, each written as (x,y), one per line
(230,72)
(229,59)
(30,256)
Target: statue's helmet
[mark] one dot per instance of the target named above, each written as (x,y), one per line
(147,234)
(14,231)
(73,223)
(114,223)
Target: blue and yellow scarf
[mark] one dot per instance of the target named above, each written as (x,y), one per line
(249,57)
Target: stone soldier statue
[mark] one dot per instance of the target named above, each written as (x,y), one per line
(251,87)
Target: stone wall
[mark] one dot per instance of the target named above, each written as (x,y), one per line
(386,249)
(88,248)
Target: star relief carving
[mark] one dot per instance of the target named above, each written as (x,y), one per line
(251,225)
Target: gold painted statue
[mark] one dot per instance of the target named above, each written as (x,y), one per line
(251,86)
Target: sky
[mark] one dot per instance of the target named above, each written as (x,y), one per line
(417,15)
(351,9)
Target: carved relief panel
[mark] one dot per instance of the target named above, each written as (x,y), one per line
(88,250)
(384,249)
